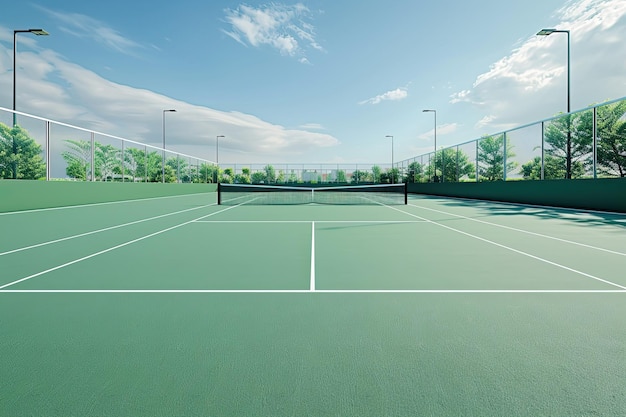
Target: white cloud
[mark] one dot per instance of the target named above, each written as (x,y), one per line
(531,83)
(83,26)
(312,126)
(53,88)
(393,95)
(275,25)
(461,96)
(442,130)
(485,121)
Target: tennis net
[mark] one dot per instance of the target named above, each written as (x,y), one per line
(237,194)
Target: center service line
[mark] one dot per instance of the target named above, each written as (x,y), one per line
(312,287)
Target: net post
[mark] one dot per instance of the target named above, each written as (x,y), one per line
(219,194)
(406,193)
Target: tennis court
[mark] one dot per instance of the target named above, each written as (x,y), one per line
(180,306)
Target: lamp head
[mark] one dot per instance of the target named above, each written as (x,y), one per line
(546,32)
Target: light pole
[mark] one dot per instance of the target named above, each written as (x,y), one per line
(391,136)
(435,161)
(38,32)
(568,160)
(163,160)
(217,156)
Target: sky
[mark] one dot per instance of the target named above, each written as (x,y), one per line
(309,81)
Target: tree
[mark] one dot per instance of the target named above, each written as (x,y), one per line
(244,177)
(270,174)
(361,176)
(136,163)
(259,177)
(392,175)
(181,168)
(130,164)
(78,159)
(452,165)
(415,172)
(532,170)
(554,168)
(20,155)
(207,172)
(341,176)
(106,157)
(491,158)
(611,128)
(226,177)
(376,171)
(569,139)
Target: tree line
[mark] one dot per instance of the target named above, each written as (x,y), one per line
(568,151)
(568,145)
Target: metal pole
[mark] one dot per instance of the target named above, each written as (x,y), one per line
(543,148)
(435,112)
(568,73)
(38,32)
(504,157)
(14,77)
(163,159)
(391,172)
(163,151)
(569,119)
(123,160)
(595,143)
(93,157)
(435,134)
(568,150)
(48,167)
(477,168)
(217,156)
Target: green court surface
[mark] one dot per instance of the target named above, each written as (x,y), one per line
(176,306)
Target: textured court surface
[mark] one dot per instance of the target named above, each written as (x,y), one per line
(177,306)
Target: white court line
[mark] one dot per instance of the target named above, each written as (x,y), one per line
(105,203)
(100,230)
(309,221)
(109,249)
(318,291)
(312,286)
(523,231)
(513,250)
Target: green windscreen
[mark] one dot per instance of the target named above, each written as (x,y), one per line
(236,194)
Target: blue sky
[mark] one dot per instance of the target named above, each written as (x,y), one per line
(310,81)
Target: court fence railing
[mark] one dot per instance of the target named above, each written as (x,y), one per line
(41,148)
(587,143)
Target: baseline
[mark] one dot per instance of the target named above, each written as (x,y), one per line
(310,291)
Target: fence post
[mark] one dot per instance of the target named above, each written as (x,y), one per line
(48,168)
(504,157)
(595,143)
(123,159)
(543,137)
(93,157)
(477,171)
